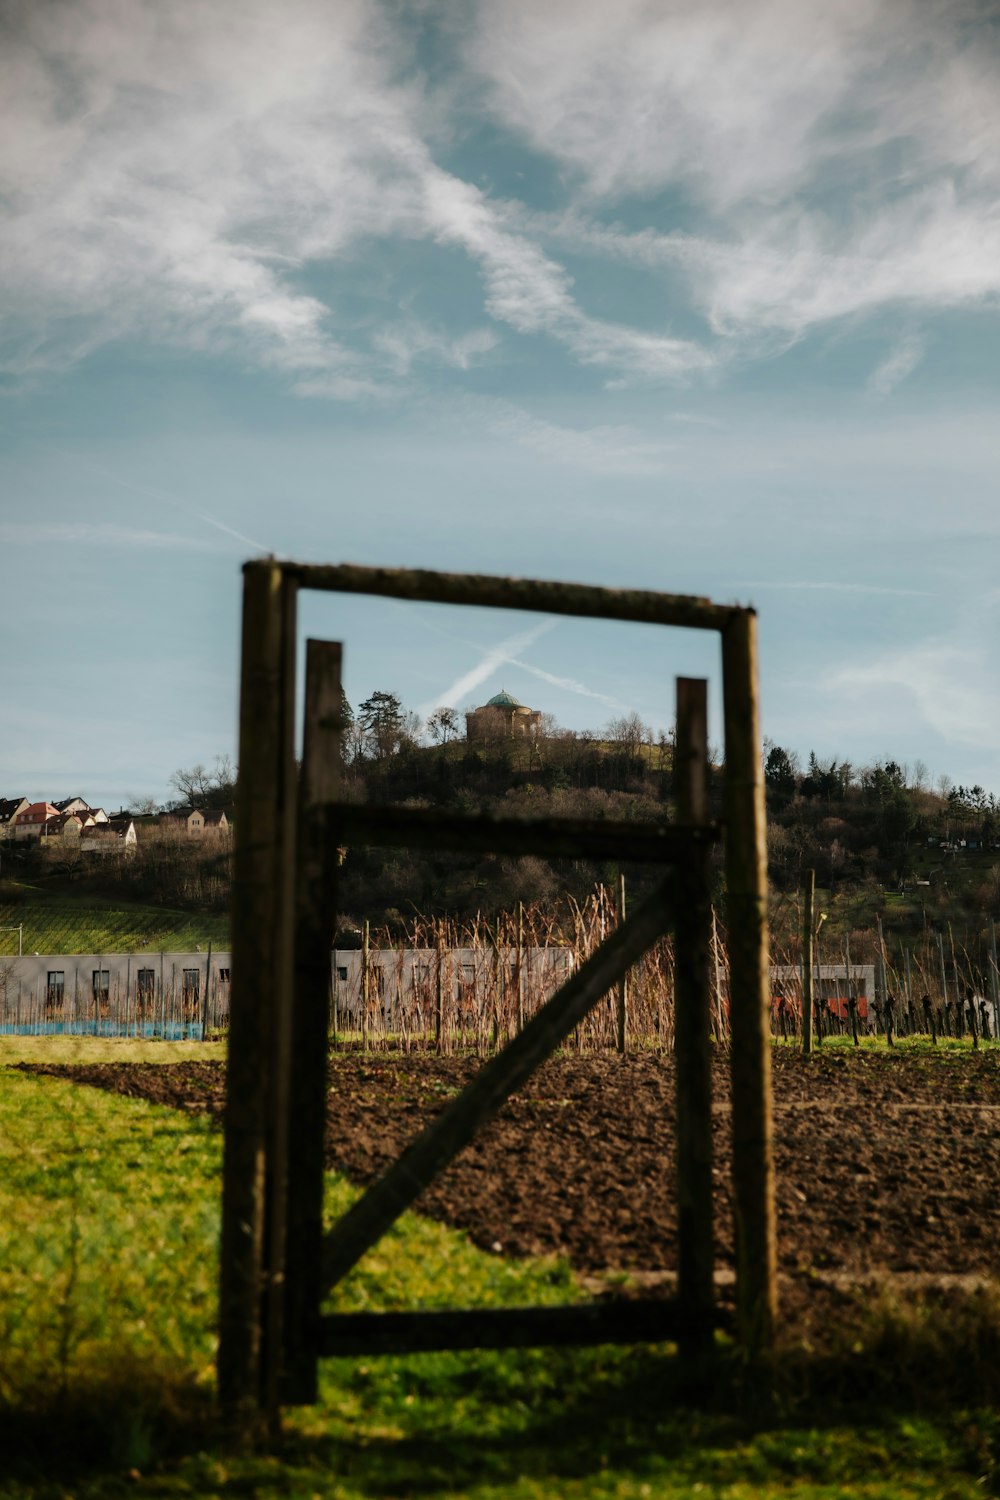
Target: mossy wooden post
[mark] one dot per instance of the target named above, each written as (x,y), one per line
(256,1074)
(315,923)
(692,1024)
(621,1014)
(808,933)
(746,882)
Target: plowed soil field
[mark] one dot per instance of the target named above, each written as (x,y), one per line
(885,1163)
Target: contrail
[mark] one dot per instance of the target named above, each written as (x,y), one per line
(570,684)
(154,494)
(495,657)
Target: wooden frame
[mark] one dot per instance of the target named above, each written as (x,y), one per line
(276,1261)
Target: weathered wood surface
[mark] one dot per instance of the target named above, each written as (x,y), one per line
(571,838)
(315,921)
(619,1322)
(692,1034)
(487,591)
(262,865)
(365,1223)
(746,912)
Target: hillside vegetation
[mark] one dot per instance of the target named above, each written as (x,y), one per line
(886,845)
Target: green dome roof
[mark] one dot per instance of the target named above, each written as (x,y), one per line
(503,699)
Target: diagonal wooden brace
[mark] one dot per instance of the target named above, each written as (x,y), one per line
(364,1224)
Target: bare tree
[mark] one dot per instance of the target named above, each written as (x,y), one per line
(628,734)
(443,725)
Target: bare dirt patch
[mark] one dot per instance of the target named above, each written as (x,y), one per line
(884,1163)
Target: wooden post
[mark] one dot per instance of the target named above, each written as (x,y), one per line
(746,880)
(808,933)
(208,985)
(692,1024)
(315,924)
(852,993)
(621,1016)
(251,1206)
(520,966)
(439,1016)
(366,982)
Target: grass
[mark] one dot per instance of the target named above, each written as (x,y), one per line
(108,1228)
(60,922)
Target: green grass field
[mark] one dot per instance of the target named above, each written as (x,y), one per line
(61,922)
(108,1265)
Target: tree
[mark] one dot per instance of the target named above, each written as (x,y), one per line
(443,725)
(779,771)
(199,787)
(381,720)
(628,734)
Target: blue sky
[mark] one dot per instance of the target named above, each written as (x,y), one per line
(700,297)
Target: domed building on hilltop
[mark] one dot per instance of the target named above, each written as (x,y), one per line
(502,717)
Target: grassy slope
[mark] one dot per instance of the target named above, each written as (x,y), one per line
(108,1226)
(65,922)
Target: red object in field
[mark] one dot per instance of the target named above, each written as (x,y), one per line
(839,1005)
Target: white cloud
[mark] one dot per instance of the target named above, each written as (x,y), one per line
(177,167)
(833,160)
(192,173)
(595,450)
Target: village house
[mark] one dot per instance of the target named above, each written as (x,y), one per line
(114,836)
(30,822)
(195,822)
(9,809)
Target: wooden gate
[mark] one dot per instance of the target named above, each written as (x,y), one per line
(277,1263)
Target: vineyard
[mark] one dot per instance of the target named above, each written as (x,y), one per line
(65,926)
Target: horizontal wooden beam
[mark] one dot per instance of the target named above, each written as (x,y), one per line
(486,591)
(402,1182)
(553,838)
(621,1321)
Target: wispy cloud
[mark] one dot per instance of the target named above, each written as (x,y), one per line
(900,362)
(97,534)
(947,677)
(836,163)
(601,449)
(812,585)
(190,174)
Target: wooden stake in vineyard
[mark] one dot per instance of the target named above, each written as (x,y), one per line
(808,934)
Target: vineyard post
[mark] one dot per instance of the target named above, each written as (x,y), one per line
(520,966)
(438,987)
(622,996)
(366,982)
(994,978)
(808,902)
